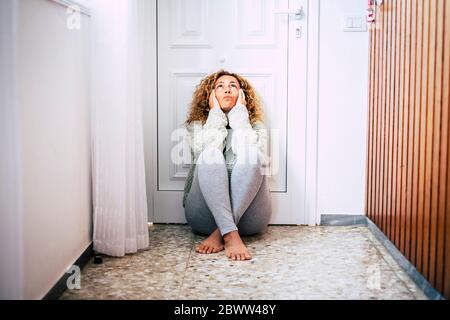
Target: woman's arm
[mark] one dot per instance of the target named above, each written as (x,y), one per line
(212,134)
(263,140)
(244,134)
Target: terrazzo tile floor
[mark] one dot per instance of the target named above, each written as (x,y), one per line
(289,262)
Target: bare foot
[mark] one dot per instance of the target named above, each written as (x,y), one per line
(213,244)
(235,248)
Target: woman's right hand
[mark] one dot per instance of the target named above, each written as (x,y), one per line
(213,102)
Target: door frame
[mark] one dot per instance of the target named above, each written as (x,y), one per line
(312,24)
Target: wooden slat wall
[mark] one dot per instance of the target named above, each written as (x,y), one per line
(408,162)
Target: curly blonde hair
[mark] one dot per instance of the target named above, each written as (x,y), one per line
(200,103)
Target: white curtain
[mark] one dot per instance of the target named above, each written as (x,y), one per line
(119,194)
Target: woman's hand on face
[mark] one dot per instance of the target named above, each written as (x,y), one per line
(241,98)
(213,102)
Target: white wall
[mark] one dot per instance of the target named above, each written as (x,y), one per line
(149,100)
(343,82)
(53,144)
(11,273)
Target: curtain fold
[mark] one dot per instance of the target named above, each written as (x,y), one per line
(119,192)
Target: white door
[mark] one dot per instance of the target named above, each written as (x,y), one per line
(258,39)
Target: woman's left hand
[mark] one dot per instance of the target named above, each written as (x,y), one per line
(241,98)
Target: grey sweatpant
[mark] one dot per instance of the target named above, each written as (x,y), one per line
(243,203)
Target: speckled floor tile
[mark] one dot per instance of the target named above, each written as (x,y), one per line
(154,273)
(395,267)
(289,262)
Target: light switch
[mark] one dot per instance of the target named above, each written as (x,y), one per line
(349,22)
(355,23)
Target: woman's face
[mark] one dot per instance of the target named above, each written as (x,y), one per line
(227,92)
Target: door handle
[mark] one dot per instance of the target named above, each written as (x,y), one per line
(298,12)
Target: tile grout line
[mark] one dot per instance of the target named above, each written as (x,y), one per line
(389,264)
(379,245)
(187,264)
(419,280)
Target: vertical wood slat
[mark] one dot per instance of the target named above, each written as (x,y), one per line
(391,144)
(376,122)
(390,99)
(423,131)
(383,153)
(436,141)
(429,139)
(400,106)
(405,122)
(396,81)
(408,161)
(377,125)
(445,216)
(370,119)
(417,126)
(408,136)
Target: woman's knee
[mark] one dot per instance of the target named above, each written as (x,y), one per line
(249,230)
(250,225)
(199,221)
